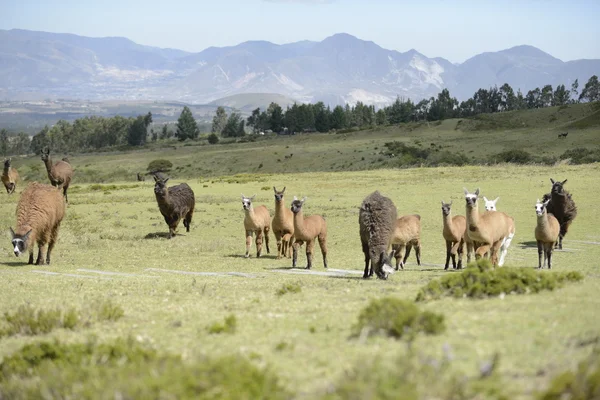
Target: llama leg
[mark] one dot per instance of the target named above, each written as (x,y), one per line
(30,256)
(40,257)
(248,243)
(310,245)
(494,252)
(540,247)
(259,240)
(409,247)
(448,252)
(295,248)
(453,252)
(280,244)
(267,229)
(417,253)
(461,248)
(323,246)
(65,193)
(549,250)
(365,249)
(400,250)
(187,221)
(470,251)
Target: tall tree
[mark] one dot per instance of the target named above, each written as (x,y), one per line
(561,96)
(275,117)
(40,140)
(219,121)
(591,90)
(187,128)
(232,126)
(508,98)
(136,135)
(338,118)
(575,91)
(546,96)
(164,133)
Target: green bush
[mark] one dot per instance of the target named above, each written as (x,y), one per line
(228,326)
(213,138)
(288,288)
(396,318)
(515,156)
(159,166)
(129,370)
(582,155)
(480,280)
(582,384)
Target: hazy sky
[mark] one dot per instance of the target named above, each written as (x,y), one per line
(455,30)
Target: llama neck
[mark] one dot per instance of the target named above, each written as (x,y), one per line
(447,219)
(6,169)
(48,163)
(279,207)
(542,220)
(299,223)
(472,215)
(163,200)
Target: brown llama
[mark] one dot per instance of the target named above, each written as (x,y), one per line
(257,220)
(488,230)
(10,177)
(562,206)
(283,225)
(547,231)
(60,174)
(307,229)
(40,211)
(454,233)
(377,221)
(407,235)
(175,203)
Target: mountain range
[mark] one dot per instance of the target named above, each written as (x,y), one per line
(340,69)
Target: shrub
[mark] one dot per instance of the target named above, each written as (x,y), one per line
(480,280)
(582,384)
(127,369)
(160,166)
(582,155)
(513,156)
(288,288)
(213,138)
(396,318)
(228,326)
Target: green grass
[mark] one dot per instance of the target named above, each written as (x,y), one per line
(120,232)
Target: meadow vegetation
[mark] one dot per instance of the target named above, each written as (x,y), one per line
(190,317)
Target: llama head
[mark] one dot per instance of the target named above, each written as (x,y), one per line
(7,163)
(490,205)
(247,202)
(279,194)
(446,207)
(19,242)
(557,187)
(160,186)
(297,205)
(45,154)
(471,198)
(381,264)
(540,207)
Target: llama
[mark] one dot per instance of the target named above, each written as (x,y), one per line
(546,233)
(377,221)
(454,233)
(60,174)
(175,203)
(490,205)
(283,225)
(407,235)
(140,177)
(488,230)
(563,135)
(562,206)
(306,229)
(40,211)
(256,220)
(10,177)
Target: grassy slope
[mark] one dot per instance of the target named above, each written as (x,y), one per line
(536,335)
(477,139)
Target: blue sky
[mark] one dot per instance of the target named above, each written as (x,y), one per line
(455,30)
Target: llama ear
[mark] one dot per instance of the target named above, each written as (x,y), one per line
(485,198)
(443,202)
(477,192)
(166,180)
(243,197)
(283,191)
(496,199)
(12,232)
(275,190)
(552,180)
(304,199)
(252,198)
(155,178)
(25,236)
(451,202)
(565,181)
(295,198)
(466,191)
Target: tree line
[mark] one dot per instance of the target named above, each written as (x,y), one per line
(94,132)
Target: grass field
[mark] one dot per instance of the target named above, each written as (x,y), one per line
(112,247)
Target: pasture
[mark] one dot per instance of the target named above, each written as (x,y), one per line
(112,246)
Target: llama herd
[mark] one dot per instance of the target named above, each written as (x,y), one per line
(41,209)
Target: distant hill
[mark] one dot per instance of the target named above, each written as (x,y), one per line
(246,102)
(340,69)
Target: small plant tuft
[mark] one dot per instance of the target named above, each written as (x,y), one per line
(228,326)
(289,288)
(481,280)
(582,384)
(397,318)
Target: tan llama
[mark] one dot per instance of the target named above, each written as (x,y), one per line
(488,230)
(454,232)
(257,221)
(406,236)
(283,226)
(10,177)
(547,232)
(307,229)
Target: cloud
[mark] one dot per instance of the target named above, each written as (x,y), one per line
(301,1)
